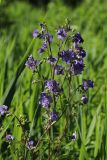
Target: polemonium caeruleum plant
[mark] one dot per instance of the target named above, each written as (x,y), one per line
(58,97)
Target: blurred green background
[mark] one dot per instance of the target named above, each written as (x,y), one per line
(18,19)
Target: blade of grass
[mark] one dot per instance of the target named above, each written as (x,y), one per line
(93,123)
(8,96)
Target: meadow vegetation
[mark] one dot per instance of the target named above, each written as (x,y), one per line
(17,23)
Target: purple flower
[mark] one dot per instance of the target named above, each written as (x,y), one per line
(46,37)
(31,63)
(52,60)
(43,48)
(53,86)
(74,136)
(87,84)
(81,52)
(67,56)
(54,116)
(9,137)
(77,67)
(30,144)
(3,110)
(61,34)
(35,33)
(77,38)
(84,99)
(45,100)
(49,37)
(59,69)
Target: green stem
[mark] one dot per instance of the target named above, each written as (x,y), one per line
(47,128)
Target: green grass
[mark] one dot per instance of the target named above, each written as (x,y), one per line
(90,18)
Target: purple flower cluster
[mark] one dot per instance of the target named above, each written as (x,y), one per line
(77,67)
(68,62)
(75,56)
(43,35)
(45,100)
(47,38)
(31,63)
(56,90)
(61,33)
(54,116)
(67,56)
(53,86)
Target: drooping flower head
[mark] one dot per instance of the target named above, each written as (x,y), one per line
(81,51)
(3,110)
(53,86)
(59,69)
(30,144)
(45,100)
(61,33)
(84,99)
(9,137)
(52,60)
(77,67)
(87,84)
(77,38)
(54,116)
(31,63)
(67,56)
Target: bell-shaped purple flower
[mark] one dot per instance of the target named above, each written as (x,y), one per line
(61,33)
(3,110)
(87,84)
(9,137)
(84,99)
(54,116)
(52,60)
(59,69)
(35,33)
(67,56)
(31,63)
(45,100)
(53,86)
(77,38)
(77,67)
(81,52)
